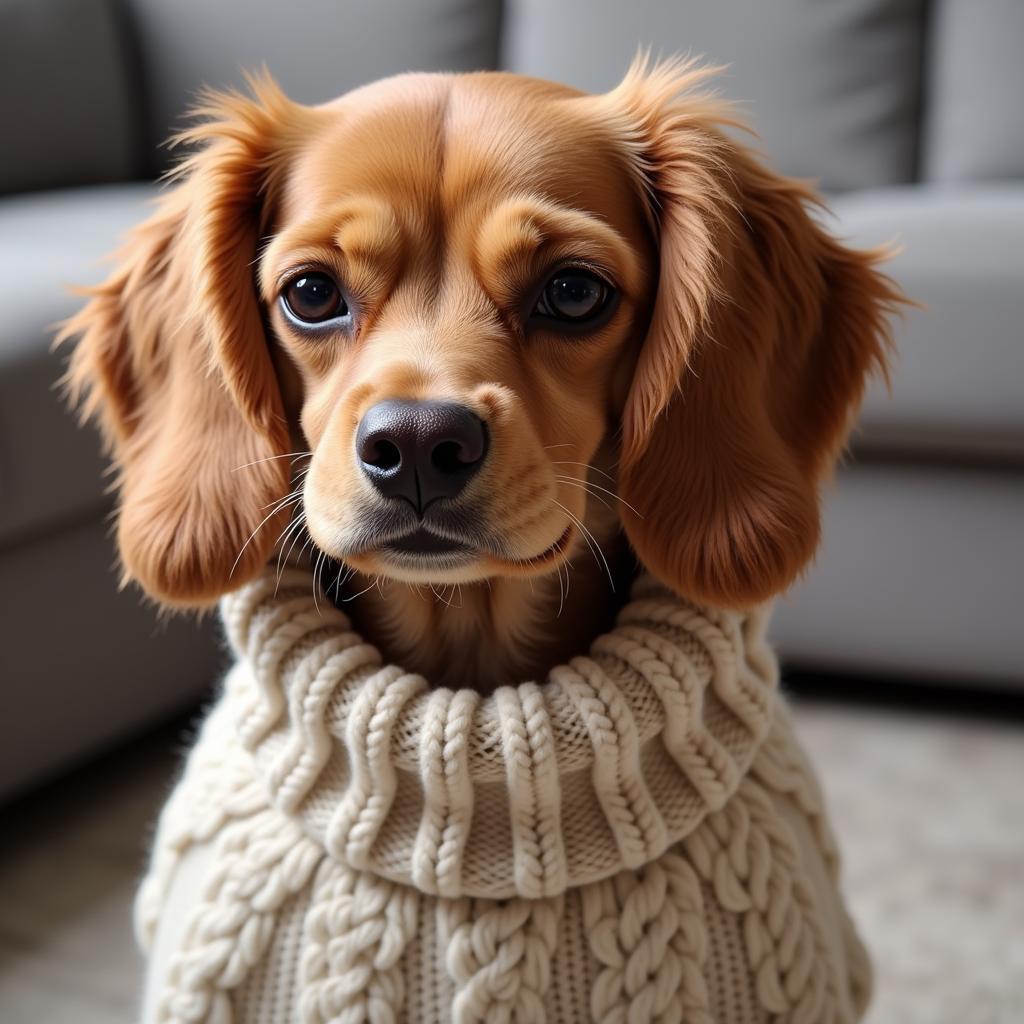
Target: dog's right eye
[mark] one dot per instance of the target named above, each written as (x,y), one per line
(313,298)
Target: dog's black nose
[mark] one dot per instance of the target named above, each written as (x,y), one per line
(420,451)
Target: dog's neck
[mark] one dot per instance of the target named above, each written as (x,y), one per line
(501,631)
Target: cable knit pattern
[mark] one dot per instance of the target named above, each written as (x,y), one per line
(355,933)
(499,956)
(750,856)
(670,677)
(448,807)
(647,931)
(783,767)
(260,863)
(361,835)
(218,786)
(534,793)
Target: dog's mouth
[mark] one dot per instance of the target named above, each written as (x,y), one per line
(422,546)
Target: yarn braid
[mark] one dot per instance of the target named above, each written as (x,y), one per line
(534,794)
(355,824)
(437,853)
(218,786)
(647,931)
(638,828)
(782,766)
(271,637)
(751,858)
(354,936)
(294,772)
(703,760)
(499,955)
(258,864)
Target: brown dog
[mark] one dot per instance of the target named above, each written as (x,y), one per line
(471,341)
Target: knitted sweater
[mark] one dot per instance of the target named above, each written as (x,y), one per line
(639,838)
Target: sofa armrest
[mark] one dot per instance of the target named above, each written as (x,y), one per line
(69,111)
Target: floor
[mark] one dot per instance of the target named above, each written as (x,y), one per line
(929,808)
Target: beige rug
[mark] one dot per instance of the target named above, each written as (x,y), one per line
(930,816)
(930,812)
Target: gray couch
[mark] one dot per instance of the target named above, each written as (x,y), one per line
(908,114)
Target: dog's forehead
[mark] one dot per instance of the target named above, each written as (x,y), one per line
(446,141)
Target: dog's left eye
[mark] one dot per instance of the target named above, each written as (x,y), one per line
(573,296)
(313,298)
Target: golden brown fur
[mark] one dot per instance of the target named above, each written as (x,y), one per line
(694,428)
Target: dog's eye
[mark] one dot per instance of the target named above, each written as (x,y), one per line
(314,297)
(573,296)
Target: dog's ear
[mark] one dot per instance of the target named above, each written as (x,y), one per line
(762,337)
(173,362)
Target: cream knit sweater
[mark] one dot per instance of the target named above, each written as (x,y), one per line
(639,838)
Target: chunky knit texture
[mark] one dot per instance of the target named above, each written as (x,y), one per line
(638,838)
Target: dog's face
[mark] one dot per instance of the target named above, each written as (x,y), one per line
(460,277)
(451,295)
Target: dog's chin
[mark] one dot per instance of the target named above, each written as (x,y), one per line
(427,559)
(432,570)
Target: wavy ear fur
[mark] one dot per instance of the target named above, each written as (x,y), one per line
(174,364)
(763,334)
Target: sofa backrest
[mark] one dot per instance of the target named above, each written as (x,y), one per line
(974,118)
(832,86)
(68,107)
(316,49)
(854,93)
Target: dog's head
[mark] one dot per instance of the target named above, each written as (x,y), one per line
(447,295)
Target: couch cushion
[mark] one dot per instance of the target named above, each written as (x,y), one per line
(83,664)
(49,469)
(974,82)
(921,573)
(68,111)
(316,50)
(958,384)
(831,87)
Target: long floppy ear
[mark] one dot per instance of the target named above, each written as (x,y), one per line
(762,337)
(174,364)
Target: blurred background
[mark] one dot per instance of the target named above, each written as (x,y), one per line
(901,645)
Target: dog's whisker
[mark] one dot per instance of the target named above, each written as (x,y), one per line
(337,580)
(353,597)
(586,465)
(272,458)
(308,543)
(617,497)
(295,537)
(293,530)
(568,579)
(283,537)
(589,485)
(595,548)
(561,591)
(349,573)
(344,574)
(318,568)
(290,498)
(569,481)
(266,519)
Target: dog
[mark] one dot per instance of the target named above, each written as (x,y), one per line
(475,350)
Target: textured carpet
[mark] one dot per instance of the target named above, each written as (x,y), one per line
(929,810)
(930,816)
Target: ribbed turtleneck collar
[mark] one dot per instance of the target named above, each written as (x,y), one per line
(616,755)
